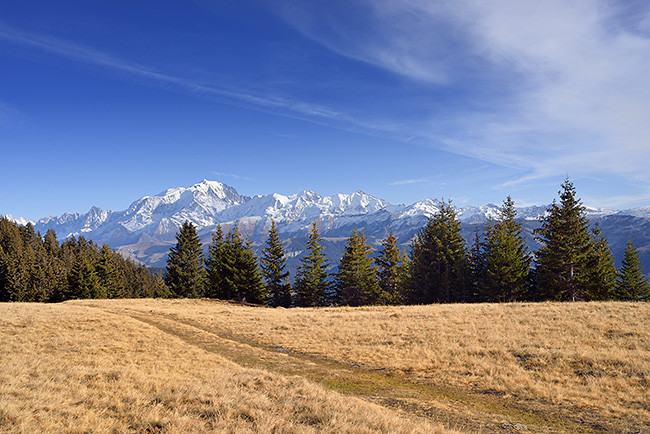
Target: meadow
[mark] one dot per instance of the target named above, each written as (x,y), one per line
(172,366)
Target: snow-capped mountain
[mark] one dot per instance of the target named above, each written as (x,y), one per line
(147,228)
(209,203)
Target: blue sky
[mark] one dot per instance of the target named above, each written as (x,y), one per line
(102,103)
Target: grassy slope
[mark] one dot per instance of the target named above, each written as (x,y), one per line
(480,368)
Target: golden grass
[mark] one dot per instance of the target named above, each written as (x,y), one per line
(113,366)
(589,360)
(73,368)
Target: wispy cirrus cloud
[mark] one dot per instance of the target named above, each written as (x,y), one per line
(232,175)
(411,181)
(150,76)
(550,87)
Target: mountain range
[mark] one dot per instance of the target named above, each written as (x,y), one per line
(146,230)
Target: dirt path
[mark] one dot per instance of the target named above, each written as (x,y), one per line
(457,409)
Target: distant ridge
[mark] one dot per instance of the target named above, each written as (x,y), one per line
(147,228)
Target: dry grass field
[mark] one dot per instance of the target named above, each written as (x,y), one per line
(71,368)
(172,366)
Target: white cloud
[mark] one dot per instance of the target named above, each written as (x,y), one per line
(232,175)
(403,37)
(562,86)
(550,87)
(586,94)
(410,181)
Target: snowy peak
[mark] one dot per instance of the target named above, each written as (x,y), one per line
(304,207)
(643,212)
(147,229)
(309,196)
(209,203)
(198,204)
(426,207)
(208,192)
(94,219)
(216,190)
(473,214)
(355,203)
(19,221)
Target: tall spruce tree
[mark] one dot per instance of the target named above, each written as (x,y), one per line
(214,264)
(232,269)
(34,269)
(83,281)
(250,276)
(232,263)
(392,270)
(12,269)
(356,281)
(111,277)
(311,278)
(505,259)
(476,266)
(224,265)
(185,275)
(54,271)
(274,266)
(563,259)
(632,284)
(50,242)
(601,276)
(439,260)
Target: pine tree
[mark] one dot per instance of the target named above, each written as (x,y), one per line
(29,278)
(214,265)
(231,265)
(83,281)
(22,273)
(632,284)
(50,242)
(55,274)
(392,271)
(7,275)
(311,278)
(68,253)
(476,266)
(252,286)
(274,270)
(185,274)
(356,282)
(232,269)
(602,270)
(439,260)
(562,260)
(111,277)
(505,259)
(139,282)
(39,269)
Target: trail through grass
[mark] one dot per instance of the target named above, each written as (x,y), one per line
(470,409)
(71,368)
(175,366)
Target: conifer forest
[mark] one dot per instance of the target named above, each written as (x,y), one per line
(573,263)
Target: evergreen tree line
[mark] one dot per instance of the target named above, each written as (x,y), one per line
(39,269)
(573,263)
